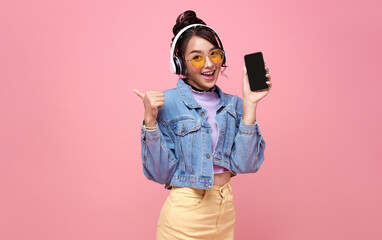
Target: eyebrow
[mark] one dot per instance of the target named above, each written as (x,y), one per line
(198,51)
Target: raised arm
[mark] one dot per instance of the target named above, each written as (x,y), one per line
(157,146)
(248,149)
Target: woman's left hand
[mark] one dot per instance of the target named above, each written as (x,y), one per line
(255,97)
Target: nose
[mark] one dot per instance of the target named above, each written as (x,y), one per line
(208,63)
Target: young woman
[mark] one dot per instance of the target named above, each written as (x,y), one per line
(195,137)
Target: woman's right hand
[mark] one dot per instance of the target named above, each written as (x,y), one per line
(152,101)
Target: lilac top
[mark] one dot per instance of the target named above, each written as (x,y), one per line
(210,101)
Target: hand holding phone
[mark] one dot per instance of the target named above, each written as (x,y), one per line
(256,71)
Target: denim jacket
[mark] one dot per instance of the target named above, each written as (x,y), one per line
(179,153)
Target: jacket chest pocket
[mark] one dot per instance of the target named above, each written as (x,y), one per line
(186,133)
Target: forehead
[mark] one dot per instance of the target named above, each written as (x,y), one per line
(198,43)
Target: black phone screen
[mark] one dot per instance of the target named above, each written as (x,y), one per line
(256,71)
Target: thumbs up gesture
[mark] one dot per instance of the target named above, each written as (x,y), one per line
(152,101)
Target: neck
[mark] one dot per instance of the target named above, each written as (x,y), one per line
(197,89)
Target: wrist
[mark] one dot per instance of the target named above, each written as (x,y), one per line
(149,122)
(249,120)
(249,101)
(150,128)
(249,112)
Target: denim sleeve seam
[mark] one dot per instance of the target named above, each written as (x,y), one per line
(248,133)
(152,139)
(164,146)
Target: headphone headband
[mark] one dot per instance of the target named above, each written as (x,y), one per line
(173,68)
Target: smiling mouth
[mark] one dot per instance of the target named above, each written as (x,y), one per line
(208,74)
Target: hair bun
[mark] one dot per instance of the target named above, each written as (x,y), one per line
(185,19)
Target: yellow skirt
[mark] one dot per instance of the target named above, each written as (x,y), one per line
(190,213)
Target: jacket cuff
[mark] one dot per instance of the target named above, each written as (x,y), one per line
(249,129)
(149,135)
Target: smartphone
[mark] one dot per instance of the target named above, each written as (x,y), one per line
(256,71)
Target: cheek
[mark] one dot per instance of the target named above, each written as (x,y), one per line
(218,69)
(191,69)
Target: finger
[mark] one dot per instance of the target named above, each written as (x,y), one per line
(160,99)
(266,69)
(155,98)
(154,94)
(159,104)
(139,93)
(269,85)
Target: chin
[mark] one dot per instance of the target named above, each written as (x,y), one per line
(207,84)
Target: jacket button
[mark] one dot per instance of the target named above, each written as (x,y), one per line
(222,131)
(182,128)
(202,113)
(208,155)
(207,131)
(206,184)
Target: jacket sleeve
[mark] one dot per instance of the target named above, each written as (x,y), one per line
(248,148)
(157,153)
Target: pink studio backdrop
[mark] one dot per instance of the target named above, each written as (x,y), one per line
(70,163)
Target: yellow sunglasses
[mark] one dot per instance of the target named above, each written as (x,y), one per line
(216,56)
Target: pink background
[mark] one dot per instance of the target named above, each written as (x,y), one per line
(70,163)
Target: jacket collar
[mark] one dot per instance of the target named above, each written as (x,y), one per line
(188,98)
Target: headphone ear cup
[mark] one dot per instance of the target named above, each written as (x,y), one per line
(183,67)
(178,65)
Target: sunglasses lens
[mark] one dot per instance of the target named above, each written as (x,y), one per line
(216,56)
(198,61)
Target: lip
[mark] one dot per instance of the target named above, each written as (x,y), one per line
(207,72)
(209,77)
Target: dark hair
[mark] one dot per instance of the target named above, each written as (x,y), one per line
(188,18)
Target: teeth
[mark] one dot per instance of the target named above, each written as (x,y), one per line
(210,73)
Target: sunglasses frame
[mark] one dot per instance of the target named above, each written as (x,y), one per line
(221,51)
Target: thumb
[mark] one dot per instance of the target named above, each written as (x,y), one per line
(139,93)
(246,87)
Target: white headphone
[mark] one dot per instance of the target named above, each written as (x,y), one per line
(176,62)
